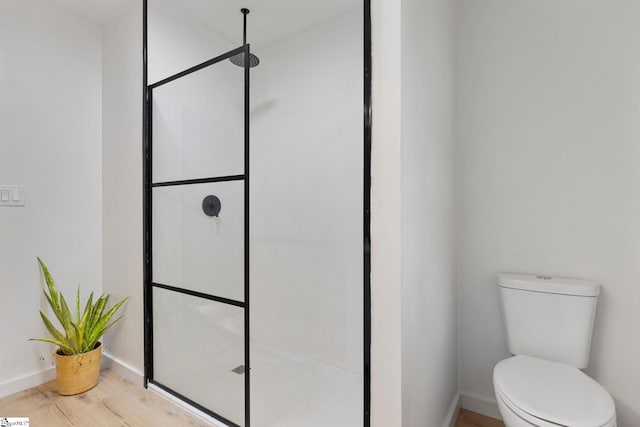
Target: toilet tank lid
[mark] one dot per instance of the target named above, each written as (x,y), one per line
(549,284)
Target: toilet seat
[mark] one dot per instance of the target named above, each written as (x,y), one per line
(546,393)
(529,420)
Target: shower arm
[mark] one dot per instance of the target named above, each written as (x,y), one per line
(245,12)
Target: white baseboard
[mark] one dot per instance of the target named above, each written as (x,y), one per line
(34,379)
(452,413)
(122,368)
(482,405)
(16,385)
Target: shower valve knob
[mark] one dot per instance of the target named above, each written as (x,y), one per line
(211,205)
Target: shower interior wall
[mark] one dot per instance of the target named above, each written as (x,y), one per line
(307,167)
(306,187)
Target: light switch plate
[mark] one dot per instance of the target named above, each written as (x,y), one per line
(12,195)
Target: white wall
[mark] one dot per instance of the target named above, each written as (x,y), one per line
(548,107)
(306,184)
(50,142)
(178,41)
(122,181)
(429,360)
(414,380)
(306,194)
(386,242)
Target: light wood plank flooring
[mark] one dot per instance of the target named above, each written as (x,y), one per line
(471,419)
(113,402)
(118,402)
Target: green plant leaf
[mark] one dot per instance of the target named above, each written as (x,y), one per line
(83,325)
(78,305)
(99,327)
(82,333)
(88,307)
(55,308)
(52,329)
(66,349)
(98,308)
(66,317)
(49,281)
(86,317)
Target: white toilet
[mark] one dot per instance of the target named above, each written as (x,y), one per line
(549,321)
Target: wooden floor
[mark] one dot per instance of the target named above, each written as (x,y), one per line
(118,402)
(113,402)
(471,419)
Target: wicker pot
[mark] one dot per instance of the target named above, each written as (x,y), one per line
(78,373)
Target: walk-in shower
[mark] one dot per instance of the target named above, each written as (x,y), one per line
(257,210)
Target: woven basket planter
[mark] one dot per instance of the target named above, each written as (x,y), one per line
(79,372)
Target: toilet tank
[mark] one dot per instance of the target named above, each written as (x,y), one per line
(549,317)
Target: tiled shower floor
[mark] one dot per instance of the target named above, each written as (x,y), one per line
(287,390)
(291,391)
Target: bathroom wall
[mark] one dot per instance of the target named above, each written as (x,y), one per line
(307,187)
(414,379)
(179,40)
(429,366)
(386,241)
(548,108)
(50,125)
(122,181)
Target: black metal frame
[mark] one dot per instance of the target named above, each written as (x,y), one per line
(146,205)
(247,323)
(148,185)
(366,244)
(149,284)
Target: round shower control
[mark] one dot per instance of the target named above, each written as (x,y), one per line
(211,205)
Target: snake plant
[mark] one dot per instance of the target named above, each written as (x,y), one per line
(81,334)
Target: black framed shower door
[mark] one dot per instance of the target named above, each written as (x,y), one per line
(196,241)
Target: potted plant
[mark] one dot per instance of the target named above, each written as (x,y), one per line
(79,350)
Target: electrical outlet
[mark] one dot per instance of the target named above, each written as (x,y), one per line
(47,359)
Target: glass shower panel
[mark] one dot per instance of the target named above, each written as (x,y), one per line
(198,125)
(305,324)
(194,251)
(307,253)
(199,351)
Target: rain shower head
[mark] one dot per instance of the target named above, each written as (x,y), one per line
(239,58)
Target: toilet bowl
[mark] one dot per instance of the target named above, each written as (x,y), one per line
(536,392)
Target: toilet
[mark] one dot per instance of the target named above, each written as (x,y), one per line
(549,322)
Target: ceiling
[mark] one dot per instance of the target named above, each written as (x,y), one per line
(269,20)
(100,11)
